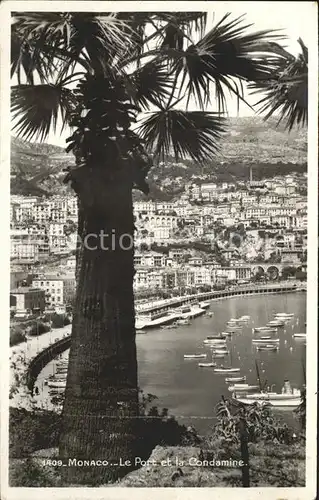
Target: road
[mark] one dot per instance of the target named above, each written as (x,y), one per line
(20,358)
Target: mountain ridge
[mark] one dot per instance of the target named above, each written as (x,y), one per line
(39,168)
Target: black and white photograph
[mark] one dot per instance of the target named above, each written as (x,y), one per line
(160,169)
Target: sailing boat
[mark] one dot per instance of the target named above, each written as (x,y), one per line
(288,398)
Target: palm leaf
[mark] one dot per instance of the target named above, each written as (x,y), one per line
(286,91)
(193,134)
(224,55)
(91,39)
(150,84)
(35,108)
(180,26)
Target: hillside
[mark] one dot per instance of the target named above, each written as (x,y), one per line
(38,168)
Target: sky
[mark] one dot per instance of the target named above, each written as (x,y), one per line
(295,19)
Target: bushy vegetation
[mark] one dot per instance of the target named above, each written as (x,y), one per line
(59,320)
(38,328)
(30,431)
(269,442)
(17,335)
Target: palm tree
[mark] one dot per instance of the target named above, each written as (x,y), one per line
(286,92)
(95,73)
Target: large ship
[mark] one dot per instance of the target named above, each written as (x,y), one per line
(154,318)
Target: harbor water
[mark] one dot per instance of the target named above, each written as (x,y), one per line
(191,392)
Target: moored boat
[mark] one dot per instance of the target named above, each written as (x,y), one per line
(273,398)
(195,356)
(169,327)
(204,305)
(221,351)
(232,380)
(264,329)
(226,369)
(207,365)
(185,321)
(217,356)
(265,341)
(213,342)
(276,323)
(57,383)
(267,347)
(299,335)
(242,387)
(284,315)
(287,397)
(218,336)
(191,311)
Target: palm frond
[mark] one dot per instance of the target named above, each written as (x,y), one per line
(286,91)
(222,57)
(91,39)
(193,134)
(150,84)
(35,108)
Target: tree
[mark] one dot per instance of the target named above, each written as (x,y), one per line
(287,91)
(120,69)
(288,271)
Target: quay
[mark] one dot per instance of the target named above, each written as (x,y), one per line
(166,304)
(40,355)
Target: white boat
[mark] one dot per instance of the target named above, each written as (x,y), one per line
(225,369)
(300,335)
(210,314)
(287,397)
(204,305)
(214,343)
(221,351)
(265,341)
(217,356)
(277,323)
(267,347)
(226,334)
(235,379)
(56,383)
(244,318)
(170,326)
(264,329)
(242,387)
(284,315)
(195,356)
(62,369)
(153,318)
(279,400)
(185,321)
(207,365)
(191,311)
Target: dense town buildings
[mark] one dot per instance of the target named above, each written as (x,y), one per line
(210,233)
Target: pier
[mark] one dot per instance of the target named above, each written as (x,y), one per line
(42,358)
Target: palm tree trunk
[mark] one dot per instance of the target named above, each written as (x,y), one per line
(101,398)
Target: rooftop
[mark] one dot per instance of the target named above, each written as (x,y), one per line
(25,289)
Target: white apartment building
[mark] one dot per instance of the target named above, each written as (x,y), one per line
(150,259)
(24,251)
(59,290)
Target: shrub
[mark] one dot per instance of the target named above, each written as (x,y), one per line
(59,320)
(17,335)
(159,428)
(38,328)
(30,431)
